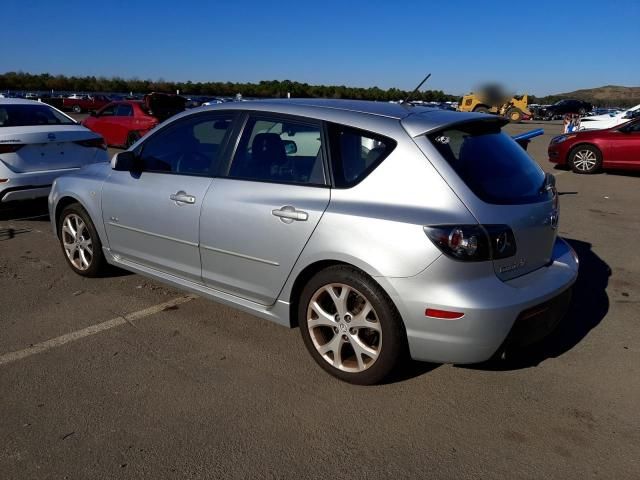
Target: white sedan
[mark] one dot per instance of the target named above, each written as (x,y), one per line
(600,122)
(38,143)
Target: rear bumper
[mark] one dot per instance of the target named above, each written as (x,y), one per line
(29,185)
(524,309)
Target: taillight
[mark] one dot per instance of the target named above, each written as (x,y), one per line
(10,147)
(92,143)
(473,243)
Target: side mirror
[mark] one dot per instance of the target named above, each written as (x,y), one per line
(125,162)
(290,147)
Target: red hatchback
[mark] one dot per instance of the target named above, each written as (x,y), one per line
(121,123)
(592,150)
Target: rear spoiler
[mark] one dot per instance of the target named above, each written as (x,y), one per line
(524,138)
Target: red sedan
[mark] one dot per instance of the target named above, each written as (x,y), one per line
(121,123)
(592,150)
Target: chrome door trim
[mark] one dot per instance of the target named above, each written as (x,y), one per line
(145,232)
(240,255)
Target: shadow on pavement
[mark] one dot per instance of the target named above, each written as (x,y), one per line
(589,306)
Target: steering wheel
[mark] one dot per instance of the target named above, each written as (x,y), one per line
(193,162)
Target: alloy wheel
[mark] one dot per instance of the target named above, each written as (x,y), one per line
(585,160)
(77,243)
(344,327)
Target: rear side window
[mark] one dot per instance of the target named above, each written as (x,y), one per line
(491,163)
(279,150)
(356,153)
(30,115)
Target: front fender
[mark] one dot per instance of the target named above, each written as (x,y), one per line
(85,188)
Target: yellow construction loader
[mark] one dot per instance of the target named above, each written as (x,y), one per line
(514,108)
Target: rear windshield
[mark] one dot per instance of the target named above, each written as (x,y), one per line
(491,163)
(30,115)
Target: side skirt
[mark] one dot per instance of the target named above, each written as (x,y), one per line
(278,312)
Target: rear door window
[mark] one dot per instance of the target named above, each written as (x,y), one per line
(356,153)
(280,150)
(491,163)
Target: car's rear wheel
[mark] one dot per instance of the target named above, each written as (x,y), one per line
(77,109)
(350,326)
(585,159)
(80,242)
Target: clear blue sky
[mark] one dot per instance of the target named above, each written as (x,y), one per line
(540,47)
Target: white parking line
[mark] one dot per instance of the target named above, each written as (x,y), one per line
(92,330)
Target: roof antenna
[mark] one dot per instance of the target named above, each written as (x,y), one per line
(406,100)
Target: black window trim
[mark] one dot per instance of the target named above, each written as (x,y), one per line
(334,146)
(224,147)
(275,116)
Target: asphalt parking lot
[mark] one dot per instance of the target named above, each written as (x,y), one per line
(122,377)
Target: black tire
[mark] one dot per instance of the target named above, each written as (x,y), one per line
(77,109)
(391,345)
(481,110)
(514,115)
(96,262)
(585,159)
(132,138)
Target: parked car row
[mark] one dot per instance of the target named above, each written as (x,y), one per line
(319,181)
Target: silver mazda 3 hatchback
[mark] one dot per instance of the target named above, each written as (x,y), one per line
(376,228)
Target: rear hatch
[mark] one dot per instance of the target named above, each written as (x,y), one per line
(501,185)
(56,147)
(163,105)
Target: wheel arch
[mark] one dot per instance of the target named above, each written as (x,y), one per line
(64,201)
(583,144)
(310,270)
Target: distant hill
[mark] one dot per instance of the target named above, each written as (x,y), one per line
(609,95)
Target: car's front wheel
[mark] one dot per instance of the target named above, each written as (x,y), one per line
(585,159)
(80,242)
(350,326)
(77,109)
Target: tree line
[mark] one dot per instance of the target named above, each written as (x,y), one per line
(44,82)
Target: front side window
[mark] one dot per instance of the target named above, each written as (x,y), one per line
(30,115)
(491,163)
(191,146)
(283,151)
(356,153)
(124,110)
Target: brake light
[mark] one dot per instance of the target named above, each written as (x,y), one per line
(473,243)
(10,147)
(92,143)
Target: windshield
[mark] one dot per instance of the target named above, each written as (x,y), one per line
(491,163)
(30,115)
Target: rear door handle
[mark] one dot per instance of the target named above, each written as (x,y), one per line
(288,214)
(182,197)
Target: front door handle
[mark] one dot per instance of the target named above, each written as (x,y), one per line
(288,214)
(182,197)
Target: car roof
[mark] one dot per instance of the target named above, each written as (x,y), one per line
(20,101)
(415,119)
